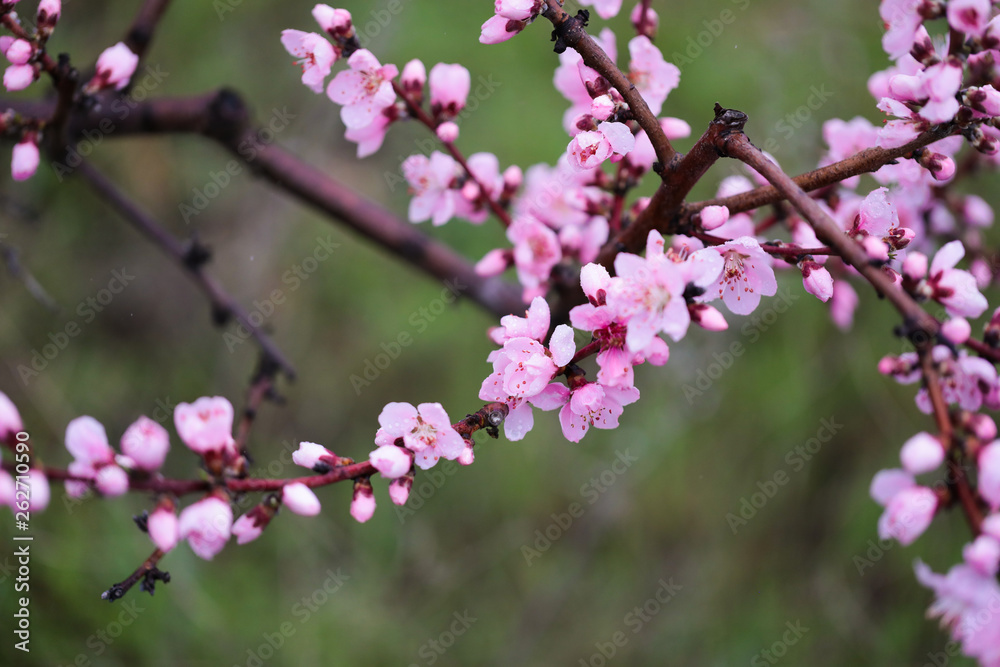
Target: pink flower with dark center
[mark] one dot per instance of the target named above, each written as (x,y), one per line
(364,90)
(594,405)
(115,67)
(588,150)
(969,16)
(426,430)
(746,276)
(206,425)
(316,56)
(536,252)
(651,74)
(146,443)
(207,526)
(10,418)
(966,601)
(430,181)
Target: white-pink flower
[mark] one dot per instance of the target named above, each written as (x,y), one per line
(430,180)
(309,455)
(146,443)
(536,252)
(335,22)
(207,526)
(24,159)
(19,77)
(399,489)
(205,425)
(989,474)
(426,430)
(746,276)
(300,499)
(391,461)
(651,74)
(954,288)
(921,453)
(594,405)
(969,16)
(87,441)
(316,56)
(364,90)
(115,67)
(363,502)
(908,514)
(248,527)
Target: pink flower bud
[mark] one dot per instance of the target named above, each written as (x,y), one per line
(516,9)
(921,453)
(887,483)
(19,52)
(512,178)
(87,441)
(976,211)
(875,248)
(957,330)
(309,455)
(146,443)
(991,526)
(413,78)
(843,304)
(391,461)
(915,265)
(982,426)
(468,456)
(48,13)
(10,419)
(645,25)
(448,133)
(205,425)
(675,128)
(163,526)
(449,86)
(24,160)
(300,499)
(38,491)
(989,474)
(983,555)
(207,526)
(708,317)
(602,107)
(908,515)
(816,280)
(111,480)
(399,489)
(115,67)
(247,528)
(493,263)
(363,504)
(713,217)
(336,22)
(18,77)
(498,29)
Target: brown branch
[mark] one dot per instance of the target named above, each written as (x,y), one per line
(190,257)
(921,326)
(148,573)
(867,161)
(140,33)
(571,32)
(261,388)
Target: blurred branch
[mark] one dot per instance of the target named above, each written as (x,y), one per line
(261,389)
(140,34)
(18,272)
(191,257)
(223,116)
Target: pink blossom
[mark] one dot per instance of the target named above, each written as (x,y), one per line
(399,489)
(364,90)
(915,265)
(391,461)
(468,455)
(316,56)
(370,137)
(644,25)
(983,555)
(48,13)
(111,480)
(713,217)
(335,22)
(816,280)
(966,600)
(534,324)
(969,16)
(449,88)
(922,453)
(957,330)
(363,502)
(19,77)
(964,380)
(205,425)
(300,499)
(471,201)
(902,20)
(494,262)
(447,132)
(87,441)
(146,443)
(207,526)
(163,527)
(426,430)
(651,74)
(310,455)
(606,9)
(24,160)
(38,491)
(10,418)
(115,67)
(248,527)
(413,79)
(746,276)
(843,304)
(536,252)
(908,514)
(499,29)
(588,150)
(430,180)
(877,216)
(976,211)
(954,288)
(19,51)
(708,317)
(989,474)
(594,405)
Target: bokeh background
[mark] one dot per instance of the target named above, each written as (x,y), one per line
(808,558)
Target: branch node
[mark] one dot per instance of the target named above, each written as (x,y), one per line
(561,33)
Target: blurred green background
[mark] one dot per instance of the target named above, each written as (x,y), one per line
(807,559)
